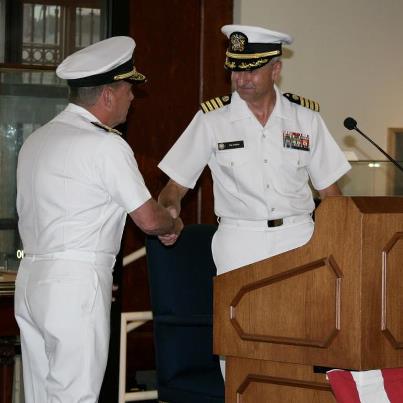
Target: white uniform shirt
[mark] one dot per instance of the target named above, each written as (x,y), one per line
(257,175)
(75,184)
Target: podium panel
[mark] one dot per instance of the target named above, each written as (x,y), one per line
(334,302)
(274,383)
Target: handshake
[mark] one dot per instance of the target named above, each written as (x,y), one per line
(171,237)
(170,198)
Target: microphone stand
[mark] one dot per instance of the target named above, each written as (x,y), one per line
(379,148)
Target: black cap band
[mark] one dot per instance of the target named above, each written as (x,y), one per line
(103,78)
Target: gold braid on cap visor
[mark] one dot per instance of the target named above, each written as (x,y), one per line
(251,55)
(252,65)
(244,65)
(131,73)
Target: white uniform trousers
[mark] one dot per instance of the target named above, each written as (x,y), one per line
(62,307)
(237,243)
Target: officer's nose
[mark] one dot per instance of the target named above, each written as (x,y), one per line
(242,77)
(239,77)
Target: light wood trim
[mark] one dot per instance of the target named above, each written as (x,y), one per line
(281,381)
(326,263)
(392,285)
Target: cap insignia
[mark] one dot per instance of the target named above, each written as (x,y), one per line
(238,42)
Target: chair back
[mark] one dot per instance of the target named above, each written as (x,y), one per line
(181,288)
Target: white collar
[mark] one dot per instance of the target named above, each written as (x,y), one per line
(239,109)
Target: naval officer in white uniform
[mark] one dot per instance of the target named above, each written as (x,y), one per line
(77,180)
(262,149)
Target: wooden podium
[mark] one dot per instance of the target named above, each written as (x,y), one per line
(336,302)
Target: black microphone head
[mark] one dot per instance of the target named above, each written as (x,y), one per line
(350,123)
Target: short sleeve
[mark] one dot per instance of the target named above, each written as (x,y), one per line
(118,171)
(187,158)
(328,163)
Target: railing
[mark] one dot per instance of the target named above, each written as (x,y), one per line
(128,322)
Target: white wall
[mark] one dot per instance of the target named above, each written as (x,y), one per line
(347,55)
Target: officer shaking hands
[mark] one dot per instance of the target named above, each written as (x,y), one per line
(262,149)
(77,180)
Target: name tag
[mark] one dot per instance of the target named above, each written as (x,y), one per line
(297,141)
(231,145)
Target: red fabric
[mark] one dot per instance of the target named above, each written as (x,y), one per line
(343,386)
(346,390)
(393,384)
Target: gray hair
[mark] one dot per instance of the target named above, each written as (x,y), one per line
(88,96)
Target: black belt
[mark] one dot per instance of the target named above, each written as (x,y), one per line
(275,223)
(278,222)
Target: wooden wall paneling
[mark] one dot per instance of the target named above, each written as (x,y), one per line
(214,81)
(175,41)
(167,36)
(8,325)
(116,16)
(167,53)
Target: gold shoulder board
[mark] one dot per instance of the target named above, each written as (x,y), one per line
(302,101)
(215,103)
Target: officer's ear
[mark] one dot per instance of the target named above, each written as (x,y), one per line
(106,96)
(277,65)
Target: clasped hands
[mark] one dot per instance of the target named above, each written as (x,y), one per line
(170,238)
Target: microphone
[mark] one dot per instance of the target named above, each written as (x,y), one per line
(351,124)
